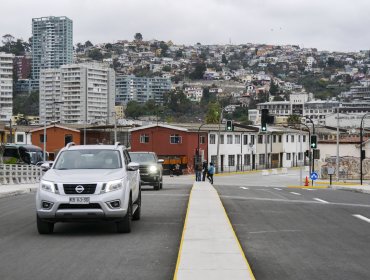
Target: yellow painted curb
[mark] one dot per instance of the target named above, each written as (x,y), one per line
(237,240)
(337,183)
(182,237)
(307,187)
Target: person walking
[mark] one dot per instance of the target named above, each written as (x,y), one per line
(198,171)
(205,170)
(211,171)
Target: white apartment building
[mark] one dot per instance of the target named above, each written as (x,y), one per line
(85,93)
(6,86)
(50,97)
(194,93)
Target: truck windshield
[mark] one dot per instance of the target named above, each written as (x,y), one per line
(88,159)
(142,157)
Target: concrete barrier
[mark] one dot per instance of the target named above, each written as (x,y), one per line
(284,170)
(19,174)
(274,172)
(265,172)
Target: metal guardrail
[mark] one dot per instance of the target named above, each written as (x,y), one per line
(19,174)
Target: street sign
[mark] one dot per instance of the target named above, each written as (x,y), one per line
(314,176)
(331,170)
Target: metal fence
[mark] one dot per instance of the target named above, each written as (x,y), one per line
(19,174)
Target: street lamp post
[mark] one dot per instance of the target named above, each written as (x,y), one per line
(218,141)
(361,140)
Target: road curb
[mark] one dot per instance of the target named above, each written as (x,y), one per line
(17,192)
(348,188)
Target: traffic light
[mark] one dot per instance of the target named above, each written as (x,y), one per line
(264,119)
(229,126)
(307,153)
(314,141)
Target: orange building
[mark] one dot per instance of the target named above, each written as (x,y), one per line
(56,138)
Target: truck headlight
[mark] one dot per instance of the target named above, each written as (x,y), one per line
(153,169)
(47,186)
(114,186)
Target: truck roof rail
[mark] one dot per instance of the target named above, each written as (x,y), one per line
(70,144)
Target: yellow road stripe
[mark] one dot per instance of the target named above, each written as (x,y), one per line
(236,238)
(182,237)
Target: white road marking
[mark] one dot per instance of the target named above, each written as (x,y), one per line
(277,189)
(244,188)
(362,218)
(310,189)
(320,200)
(295,193)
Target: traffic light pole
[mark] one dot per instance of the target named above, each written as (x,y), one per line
(361,141)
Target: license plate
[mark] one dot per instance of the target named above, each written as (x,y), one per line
(79,200)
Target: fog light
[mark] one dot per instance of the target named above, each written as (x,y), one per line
(47,204)
(115,204)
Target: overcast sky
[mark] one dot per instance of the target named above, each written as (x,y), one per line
(335,25)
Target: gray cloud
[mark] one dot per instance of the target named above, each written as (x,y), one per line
(325,24)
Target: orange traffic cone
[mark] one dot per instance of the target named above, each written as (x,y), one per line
(306,182)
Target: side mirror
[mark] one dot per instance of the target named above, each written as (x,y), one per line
(161,161)
(133,166)
(45,166)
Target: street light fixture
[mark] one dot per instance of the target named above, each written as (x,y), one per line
(361,141)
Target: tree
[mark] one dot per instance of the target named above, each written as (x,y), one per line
(164,48)
(274,89)
(134,109)
(95,54)
(241,115)
(224,60)
(214,113)
(88,44)
(198,72)
(138,37)
(294,119)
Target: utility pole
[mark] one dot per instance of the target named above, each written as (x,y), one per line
(361,141)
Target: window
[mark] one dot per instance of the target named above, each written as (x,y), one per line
(175,139)
(268,138)
(229,139)
(231,160)
(260,139)
(280,138)
(300,156)
(288,156)
(20,138)
(237,139)
(67,139)
(274,138)
(292,138)
(247,159)
(304,138)
(42,138)
(261,158)
(212,139)
(252,139)
(287,138)
(222,139)
(144,138)
(202,139)
(245,139)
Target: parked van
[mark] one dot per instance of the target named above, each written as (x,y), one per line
(26,154)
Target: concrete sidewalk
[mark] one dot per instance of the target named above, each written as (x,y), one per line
(209,248)
(10,190)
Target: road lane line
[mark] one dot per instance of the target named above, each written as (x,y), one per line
(321,200)
(295,193)
(310,189)
(278,189)
(362,218)
(244,188)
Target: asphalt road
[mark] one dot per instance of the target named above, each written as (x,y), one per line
(94,251)
(301,234)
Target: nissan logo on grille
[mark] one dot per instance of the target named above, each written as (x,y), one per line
(79,189)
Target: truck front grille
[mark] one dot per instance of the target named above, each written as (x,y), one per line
(80,206)
(71,188)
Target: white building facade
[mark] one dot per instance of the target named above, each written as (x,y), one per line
(78,93)
(6,86)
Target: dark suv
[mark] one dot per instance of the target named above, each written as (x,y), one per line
(151,169)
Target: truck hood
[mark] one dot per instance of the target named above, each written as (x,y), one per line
(83,175)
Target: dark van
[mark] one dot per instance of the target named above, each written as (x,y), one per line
(26,154)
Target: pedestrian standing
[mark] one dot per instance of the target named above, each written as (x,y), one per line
(205,170)
(198,171)
(211,171)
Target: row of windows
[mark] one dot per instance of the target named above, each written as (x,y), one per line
(275,139)
(174,139)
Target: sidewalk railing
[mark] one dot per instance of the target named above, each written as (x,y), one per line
(241,168)
(19,174)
